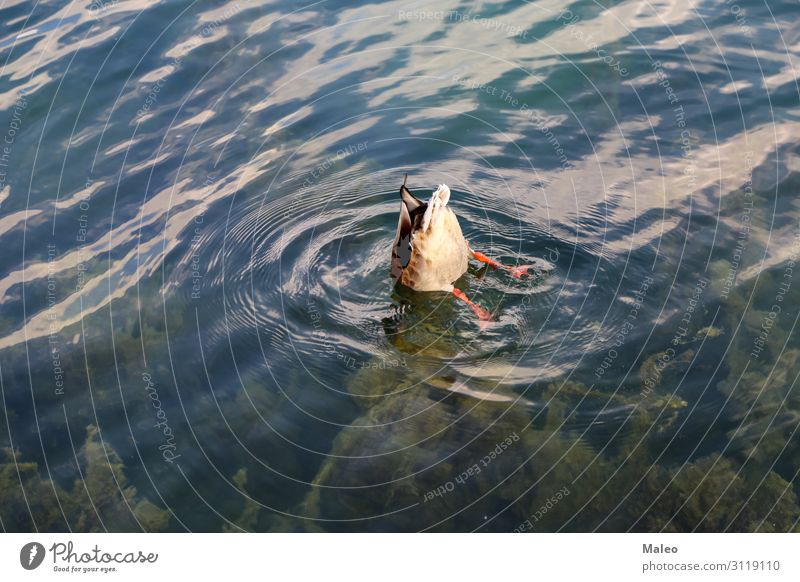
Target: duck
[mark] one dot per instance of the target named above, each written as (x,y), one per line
(430,252)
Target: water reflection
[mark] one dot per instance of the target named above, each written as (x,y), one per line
(206,196)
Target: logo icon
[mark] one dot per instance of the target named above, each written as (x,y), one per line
(31,555)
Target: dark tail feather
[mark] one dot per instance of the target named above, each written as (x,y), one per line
(411,202)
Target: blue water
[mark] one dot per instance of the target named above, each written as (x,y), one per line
(198,330)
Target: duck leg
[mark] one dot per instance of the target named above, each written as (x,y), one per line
(518,272)
(483,314)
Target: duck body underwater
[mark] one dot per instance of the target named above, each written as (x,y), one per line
(430,252)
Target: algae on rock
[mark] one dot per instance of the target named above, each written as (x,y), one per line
(100,499)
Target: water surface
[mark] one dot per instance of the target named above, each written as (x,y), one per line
(198,328)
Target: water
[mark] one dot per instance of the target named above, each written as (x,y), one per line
(199,331)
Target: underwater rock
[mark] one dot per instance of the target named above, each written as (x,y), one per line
(709,332)
(406,446)
(423,458)
(100,499)
(117,505)
(712,494)
(663,366)
(248,519)
(763,403)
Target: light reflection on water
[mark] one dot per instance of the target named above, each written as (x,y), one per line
(196,211)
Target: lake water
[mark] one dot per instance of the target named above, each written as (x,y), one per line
(198,330)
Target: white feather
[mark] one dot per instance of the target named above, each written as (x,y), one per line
(439,199)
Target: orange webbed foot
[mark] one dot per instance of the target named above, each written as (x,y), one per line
(484,315)
(518,271)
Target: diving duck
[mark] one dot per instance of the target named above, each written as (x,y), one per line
(430,252)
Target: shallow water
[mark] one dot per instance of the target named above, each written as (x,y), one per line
(197,203)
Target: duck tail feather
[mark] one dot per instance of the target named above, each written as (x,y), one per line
(410,201)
